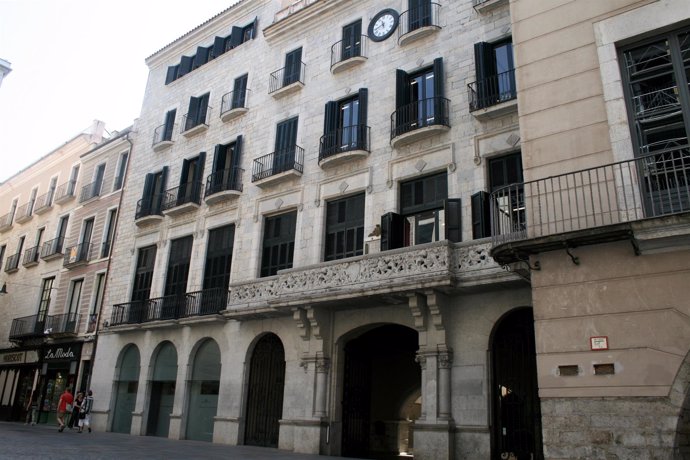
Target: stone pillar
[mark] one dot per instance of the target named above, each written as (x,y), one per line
(445,359)
(322,367)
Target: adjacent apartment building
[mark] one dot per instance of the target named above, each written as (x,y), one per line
(55,246)
(440,229)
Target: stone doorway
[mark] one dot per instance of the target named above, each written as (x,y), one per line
(162,391)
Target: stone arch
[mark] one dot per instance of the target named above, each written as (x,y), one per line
(203,389)
(125,388)
(162,382)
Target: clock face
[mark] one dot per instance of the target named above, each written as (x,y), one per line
(383,25)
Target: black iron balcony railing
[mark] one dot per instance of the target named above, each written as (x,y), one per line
(65,190)
(234,100)
(492,90)
(66,323)
(44,201)
(77,254)
(106,247)
(162,133)
(27,326)
(199,303)
(6,220)
(286,77)
(425,15)
(277,162)
(31,256)
(189,192)
(348,49)
(200,119)
(24,211)
(420,114)
(89,191)
(221,181)
(654,185)
(344,140)
(52,247)
(149,206)
(12,264)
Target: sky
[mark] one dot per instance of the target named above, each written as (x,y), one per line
(74,61)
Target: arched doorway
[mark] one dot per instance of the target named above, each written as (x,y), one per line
(516,411)
(126,386)
(380,377)
(162,391)
(265,392)
(203,392)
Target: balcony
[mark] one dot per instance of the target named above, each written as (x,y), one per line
(418,23)
(65,192)
(484,6)
(286,80)
(494,96)
(90,191)
(52,326)
(52,249)
(607,203)
(149,210)
(44,203)
(344,144)
(345,54)
(6,222)
(420,119)
(174,307)
(77,255)
(162,138)
(12,263)
(185,198)
(233,105)
(31,256)
(24,212)
(278,166)
(223,185)
(193,125)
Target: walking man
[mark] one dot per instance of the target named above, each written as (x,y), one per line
(66,399)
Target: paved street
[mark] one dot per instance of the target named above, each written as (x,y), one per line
(21,441)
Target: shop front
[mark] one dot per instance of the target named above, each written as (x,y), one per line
(59,368)
(18,378)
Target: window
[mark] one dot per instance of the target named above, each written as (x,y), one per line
(99,289)
(51,191)
(13,209)
(143,275)
(285,146)
(62,230)
(352,40)
(278,243)
(98,179)
(74,175)
(32,200)
(239,92)
(44,302)
(109,235)
(226,173)
(345,125)
(419,99)
(152,196)
(122,169)
(190,180)
(293,67)
(3,249)
(178,266)
(656,76)
(419,14)
(510,207)
(20,246)
(164,133)
(426,214)
(495,71)
(196,115)
(74,297)
(219,258)
(345,227)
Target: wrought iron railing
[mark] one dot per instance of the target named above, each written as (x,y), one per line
(31,256)
(278,162)
(78,253)
(27,326)
(44,201)
(344,140)
(25,210)
(66,323)
(189,192)
(286,76)
(52,247)
(149,206)
(492,90)
(226,179)
(347,49)
(420,114)
(425,15)
(65,190)
(161,134)
(234,100)
(89,191)
(189,122)
(12,263)
(656,184)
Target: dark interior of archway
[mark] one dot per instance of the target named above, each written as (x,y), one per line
(380,374)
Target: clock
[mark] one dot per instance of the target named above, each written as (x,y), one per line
(383,24)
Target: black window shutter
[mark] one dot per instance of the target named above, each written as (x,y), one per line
(218,46)
(363,102)
(185,65)
(330,126)
(169,124)
(185,172)
(255,28)
(164,179)
(483,60)
(199,173)
(172,74)
(402,89)
(438,77)
(193,112)
(480,215)
(237,153)
(392,231)
(217,150)
(148,183)
(236,36)
(239,91)
(453,220)
(201,56)
(203,107)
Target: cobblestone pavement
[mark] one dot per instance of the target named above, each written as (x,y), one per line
(43,442)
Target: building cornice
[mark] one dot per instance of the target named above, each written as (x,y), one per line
(295,22)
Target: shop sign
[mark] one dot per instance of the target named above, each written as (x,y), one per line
(64,352)
(12,358)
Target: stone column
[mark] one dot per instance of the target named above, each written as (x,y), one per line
(445,359)
(322,367)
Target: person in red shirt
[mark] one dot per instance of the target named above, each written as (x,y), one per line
(65,399)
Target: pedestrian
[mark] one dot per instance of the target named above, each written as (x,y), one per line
(31,409)
(64,405)
(85,414)
(76,408)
